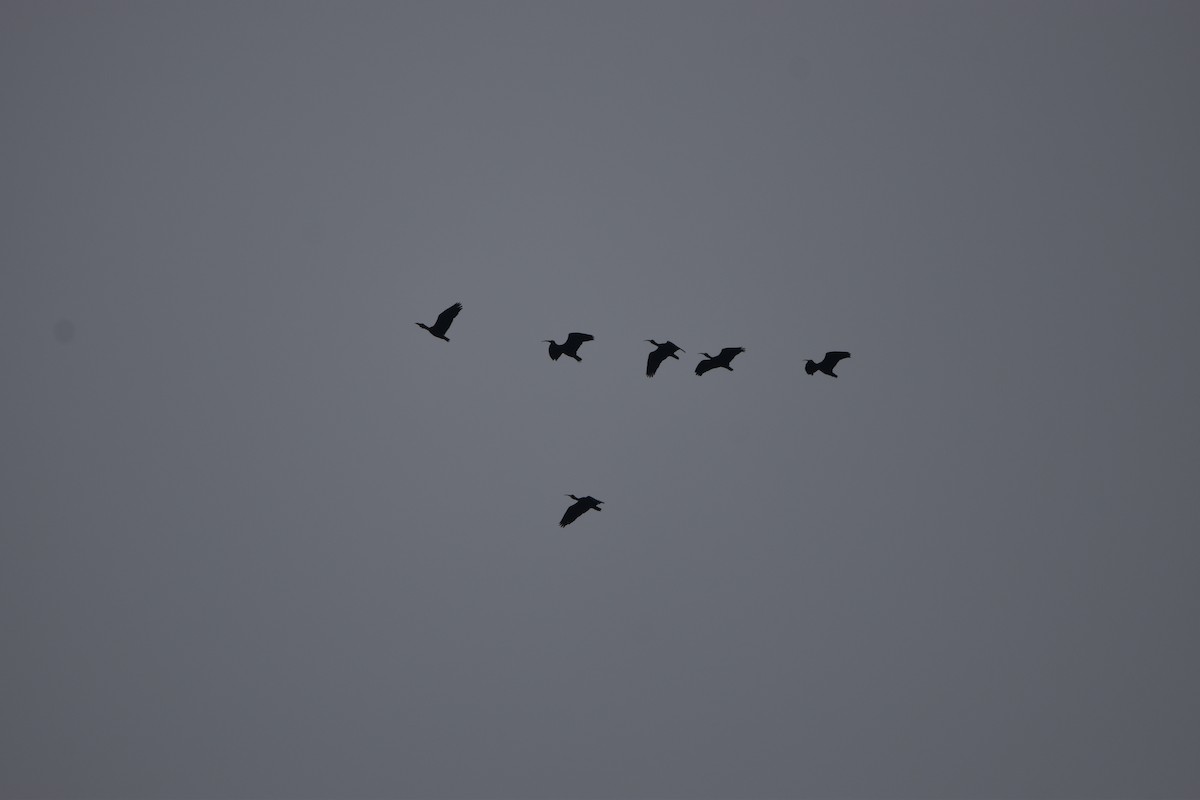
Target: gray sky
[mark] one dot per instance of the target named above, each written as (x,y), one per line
(264,537)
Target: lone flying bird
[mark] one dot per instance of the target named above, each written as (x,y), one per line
(444,319)
(721,359)
(580,505)
(570,347)
(827,363)
(665,350)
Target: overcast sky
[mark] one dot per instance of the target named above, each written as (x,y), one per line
(264,537)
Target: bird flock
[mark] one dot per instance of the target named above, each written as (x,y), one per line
(662,351)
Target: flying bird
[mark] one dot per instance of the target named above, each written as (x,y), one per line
(580,505)
(665,350)
(570,347)
(444,319)
(827,364)
(721,359)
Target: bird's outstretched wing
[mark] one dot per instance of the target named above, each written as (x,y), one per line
(654,359)
(705,365)
(833,357)
(728,353)
(576,339)
(446,317)
(572,514)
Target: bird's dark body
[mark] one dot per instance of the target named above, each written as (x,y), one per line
(662,353)
(577,508)
(570,347)
(827,364)
(444,319)
(721,359)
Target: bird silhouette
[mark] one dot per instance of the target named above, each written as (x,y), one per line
(721,359)
(580,505)
(444,319)
(665,350)
(570,347)
(827,364)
